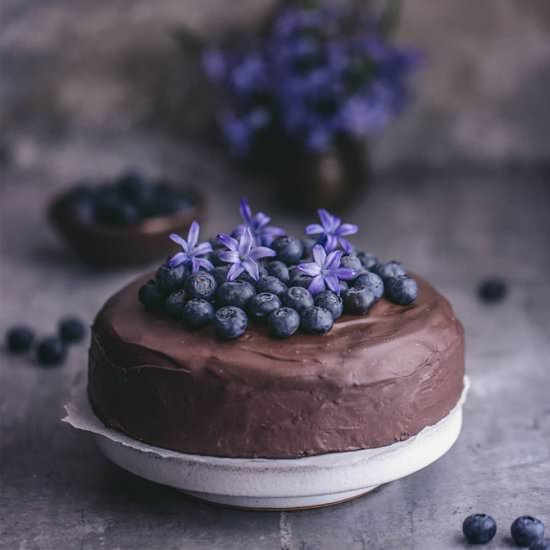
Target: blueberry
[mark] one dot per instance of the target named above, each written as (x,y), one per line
(175,302)
(368,260)
(492,290)
(247,278)
(230,322)
(151,297)
(220,274)
(308,245)
(283,322)
(197,314)
(316,320)
(298,298)
(343,286)
(391,269)
(234,293)
(271,284)
(278,269)
(171,278)
(71,330)
(300,279)
(51,351)
(372,281)
(260,306)
(479,528)
(289,250)
(19,339)
(352,262)
(201,285)
(527,530)
(115,211)
(82,207)
(543,544)
(132,186)
(331,302)
(358,300)
(401,290)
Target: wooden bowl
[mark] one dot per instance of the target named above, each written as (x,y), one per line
(102,245)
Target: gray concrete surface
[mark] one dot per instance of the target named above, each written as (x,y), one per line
(59,493)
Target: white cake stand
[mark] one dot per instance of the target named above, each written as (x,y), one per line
(272,484)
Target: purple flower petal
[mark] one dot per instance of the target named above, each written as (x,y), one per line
(314,229)
(331,242)
(346,229)
(326,219)
(332,283)
(234,271)
(310,269)
(261,220)
(245,243)
(333,259)
(344,273)
(346,245)
(228,241)
(317,285)
(251,268)
(179,240)
(246,213)
(319,255)
(229,256)
(205,264)
(177,259)
(202,249)
(195,266)
(260,252)
(193,236)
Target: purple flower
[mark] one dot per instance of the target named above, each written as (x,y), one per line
(258,224)
(191,251)
(314,77)
(332,231)
(363,116)
(325,270)
(242,254)
(215,64)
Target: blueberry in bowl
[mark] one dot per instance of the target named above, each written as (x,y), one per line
(126,220)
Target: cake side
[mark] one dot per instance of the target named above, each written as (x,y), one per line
(371,381)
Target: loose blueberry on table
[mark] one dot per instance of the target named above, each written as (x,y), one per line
(492,290)
(71,330)
(258,274)
(479,528)
(51,351)
(527,531)
(19,339)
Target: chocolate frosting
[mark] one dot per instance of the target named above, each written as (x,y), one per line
(371,381)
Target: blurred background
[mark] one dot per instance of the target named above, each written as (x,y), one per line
(458,189)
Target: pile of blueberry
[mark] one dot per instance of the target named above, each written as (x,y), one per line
(526,531)
(126,200)
(50,351)
(262,275)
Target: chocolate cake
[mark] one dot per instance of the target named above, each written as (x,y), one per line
(372,381)
(326,349)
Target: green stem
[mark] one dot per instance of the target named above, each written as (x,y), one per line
(390,17)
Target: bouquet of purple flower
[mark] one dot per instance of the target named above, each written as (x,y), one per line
(319,74)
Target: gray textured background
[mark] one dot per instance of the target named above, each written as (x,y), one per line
(462,192)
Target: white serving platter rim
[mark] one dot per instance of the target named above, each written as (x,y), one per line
(265,483)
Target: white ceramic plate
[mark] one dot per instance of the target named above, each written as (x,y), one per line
(272,483)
